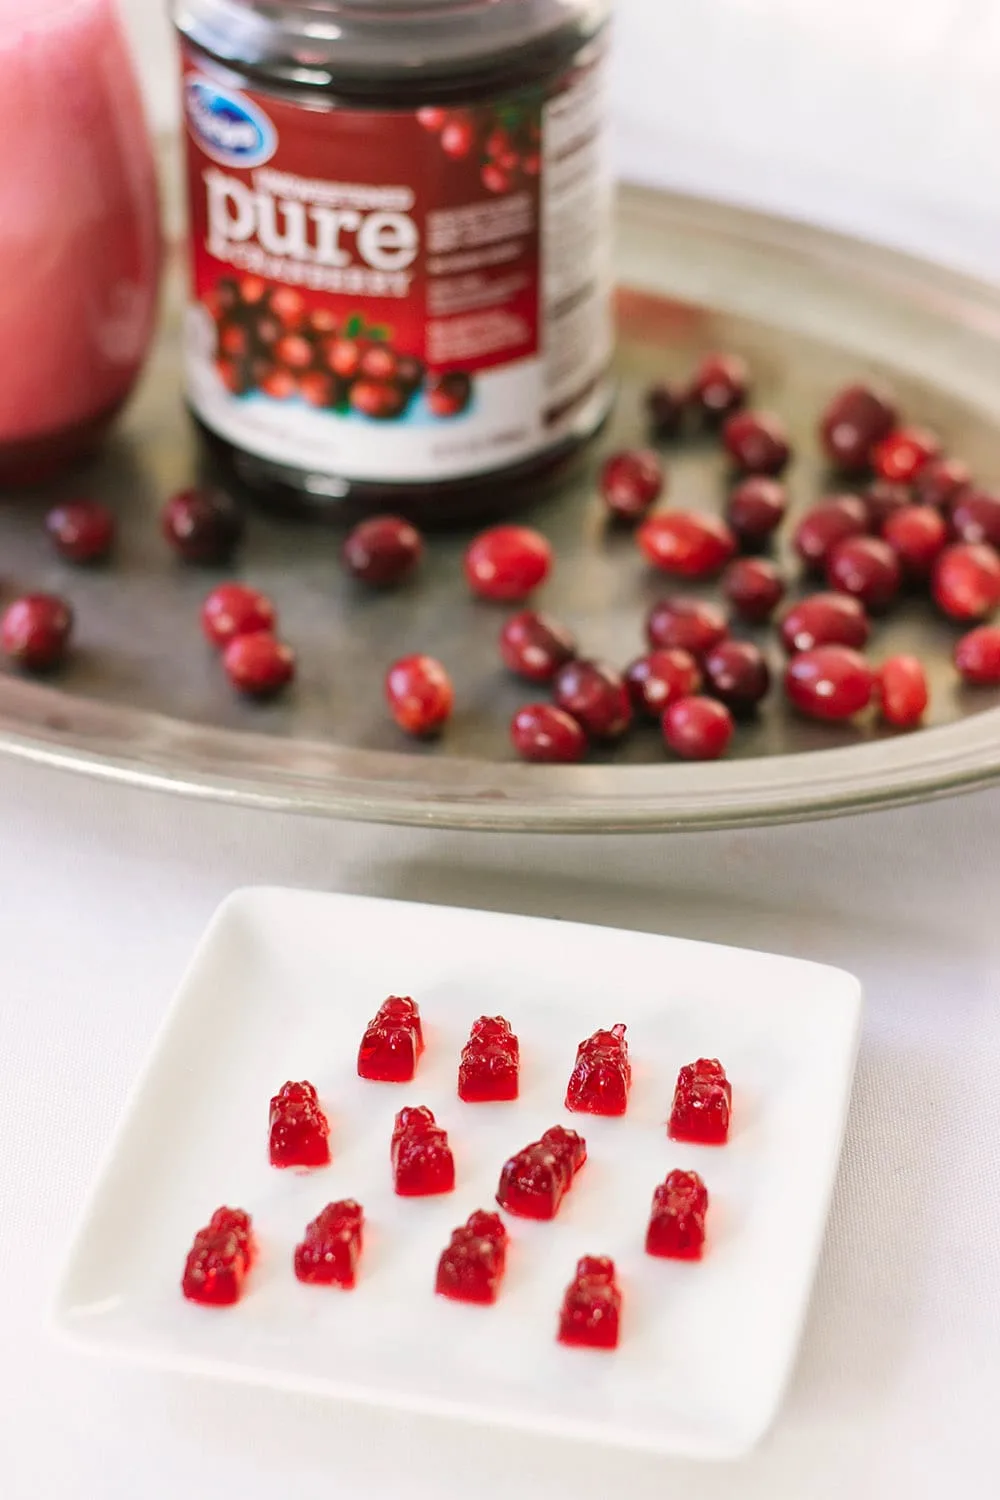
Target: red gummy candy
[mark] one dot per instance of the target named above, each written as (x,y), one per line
(677,1222)
(602,1076)
(219,1259)
(392,1042)
(591,1310)
(299,1130)
(534,1182)
(422,1162)
(330,1252)
(472,1267)
(490,1061)
(702,1104)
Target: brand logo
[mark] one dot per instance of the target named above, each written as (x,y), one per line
(229,127)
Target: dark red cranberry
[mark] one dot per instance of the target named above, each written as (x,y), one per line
(320,389)
(499,147)
(495,178)
(288,306)
(507,562)
(824,620)
(856,419)
(253,291)
(659,679)
(692,624)
(380,400)
(754,587)
(205,526)
(630,482)
(757,442)
(409,372)
(664,409)
(419,693)
(233,609)
(883,499)
(542,732)
(531,164)
(905,453)
(535,646)
(902,692)
(234,340)
(829,682)
(756,508)
(977,655)
(698,728)
(975,517)
(736,672)
(321,321)
(457,136)
(35,631)
(383,550)
(449,394)
(916,533)
(719,386)
(826,524)
(259,665)
(379,362)
(941,481)
(867,568)
(343,357)
(596,696)
(965,581)
(234,376)
(432,117)
(278,383)
(294,351)
(83,530)
(687,544)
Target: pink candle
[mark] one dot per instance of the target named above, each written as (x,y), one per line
(79,231)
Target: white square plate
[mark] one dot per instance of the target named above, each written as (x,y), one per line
(282,986)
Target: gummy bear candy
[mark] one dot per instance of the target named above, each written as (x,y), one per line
(299,1130)
(472,1266)
(422,1162)
(534,1182)
(219,1259)
(330,1252)
(591,1309)
(602,1075)
(702,1103)
(677,1222)
(490,1061)
(392,1042)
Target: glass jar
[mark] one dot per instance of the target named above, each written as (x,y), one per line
(400,234)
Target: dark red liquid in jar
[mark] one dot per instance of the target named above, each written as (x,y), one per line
(376,354)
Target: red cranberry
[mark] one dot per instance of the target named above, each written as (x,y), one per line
(883,499)
(692,624)
(322,321)
(449,394)
(916,533)
(596,697)
(659,679)
(698,728)
(234,376)
(977,655)
(542,732)
(665,409)
(975,517)
(824,620)
(687,544)
(754,587)
(630,482)
(278,383)
(965,581)
(457,136)
(419,693)
(499,147)
(259,665)
(719,386)
(288,306)
(83,530)
(383,550)
(756,508)
(343,357)
(205,526)
(757,442)
(829,682)
(35,631)
(381,400)
(867,568)
(901,688)
(379,362)
(432,117)
(942,481)
(507,563)
(320,389)
(826,524)
(535,646)
(234,340)
(409,372)
(495,178)
(736,672)
(856,419)
(294,351)
(233,609)
(905,453)
(253,290)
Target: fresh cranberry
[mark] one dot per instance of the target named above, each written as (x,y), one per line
(205,526)
(756,508)
(321,321)
(531,164)
(630,482)
(320,389)
(259,664)
(856,419)
(977,655)
(975,517)
(432,117)
(383,550)
(507,563)
(409,372)
(233,609)
(901,689)
(379,362)
(419,693)
(719,386)
(495,178)
(288,306)
(883,498)
(736,673)
(449,394)
(698,728)
(535,646)
(867,568)
(278,383)
(343,357)
(905,453)
(83,530)
(499,147)
(826,524)
(916,533)
(381,400)
(457,136)
(234,340)
(253,291)
(660,678)
(542,732)
(35,631)
(942,481)
(754,587)
(596,696)
(824,620)
(234,376)
(664,409)
(829,682)
(692,624)
(757,442)
(295,352)
(965,581)
(686,544)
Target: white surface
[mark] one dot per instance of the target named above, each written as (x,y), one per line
(284,984)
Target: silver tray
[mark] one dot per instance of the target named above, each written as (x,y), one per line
(144,701)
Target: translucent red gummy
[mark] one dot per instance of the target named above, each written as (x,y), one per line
(472,1266)
(677,1221)
(602,1076)
(591,1309)
(330,1252)
(392,1042)
(219,1259)
(422,1162)
(490,1062)
(299,1134)
(534,1182)
(702,1104)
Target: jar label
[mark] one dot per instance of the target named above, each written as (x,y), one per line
(399,295)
